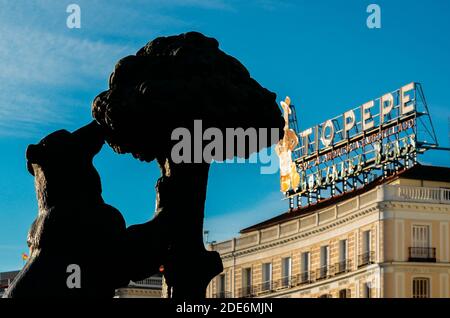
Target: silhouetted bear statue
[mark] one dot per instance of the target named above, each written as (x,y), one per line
(76,242)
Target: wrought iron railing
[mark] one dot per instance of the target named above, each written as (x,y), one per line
(223,294)
(343,266)
(324,272)
(422,254)
(306,277)
(245,292)
(366,258)
(276,285)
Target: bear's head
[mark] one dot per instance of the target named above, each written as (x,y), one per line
(62,166)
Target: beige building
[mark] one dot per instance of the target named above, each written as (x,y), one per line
(388,239)
(150,287)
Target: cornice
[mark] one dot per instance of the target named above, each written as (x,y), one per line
(305,234)
(417,206)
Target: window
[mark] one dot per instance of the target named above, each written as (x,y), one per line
(286,271)
(342,265)
(420,249)
(421,287)
(421,236)
(266,276)
(366,257)
(246,281)
(221,286)
(325,296)
(421,243)
(304,267)
(366,242)
(344,293)
(342,250)
(367,290)
(324,261)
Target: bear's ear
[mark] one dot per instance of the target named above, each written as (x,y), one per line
(33,154)
(90,138)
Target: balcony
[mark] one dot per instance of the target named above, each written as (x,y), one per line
(342,267)
(222,294)
(150,282)
(324,272)
(366,258)
(422,254)
(305,277)
(246,292)
(276,285)
(255,290)
(265,287)
(291,281)
(416,194)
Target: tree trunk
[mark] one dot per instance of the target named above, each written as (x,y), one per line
(181,195)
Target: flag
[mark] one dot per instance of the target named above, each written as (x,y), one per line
(24,256)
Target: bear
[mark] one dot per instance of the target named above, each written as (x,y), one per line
(77,241)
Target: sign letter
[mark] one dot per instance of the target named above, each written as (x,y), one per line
(386,104)
(327,140)
(366,116)
(305,139)
(405,99)
(348,125)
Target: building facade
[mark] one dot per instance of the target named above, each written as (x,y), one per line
(148,288)
(389,239)
(6,279)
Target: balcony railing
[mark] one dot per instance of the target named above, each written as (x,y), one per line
(343,266)
(151,282)
(286,281)
(366,258)
(223,294)
(276,285)
(422,254)
(245,292)
(255,290)
(265,287)
(324,272)
(303,278)
(417,194)
(306,277)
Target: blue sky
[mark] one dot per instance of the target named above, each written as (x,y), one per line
(320,53)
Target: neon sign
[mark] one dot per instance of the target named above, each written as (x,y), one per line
(376,139)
